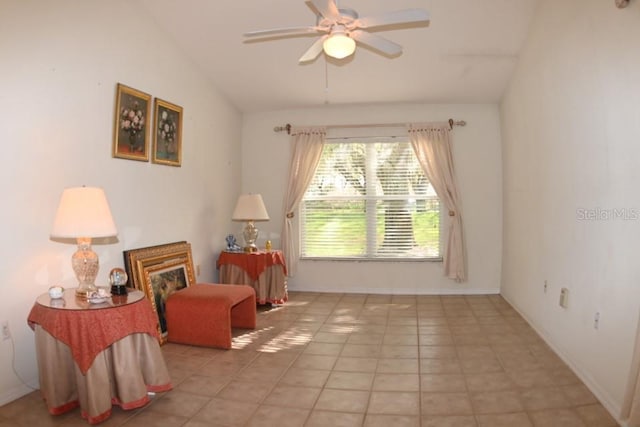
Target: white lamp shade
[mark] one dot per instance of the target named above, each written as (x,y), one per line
(339,45)
(83,212)
(250,207)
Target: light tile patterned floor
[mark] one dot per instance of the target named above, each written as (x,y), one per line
(363,360)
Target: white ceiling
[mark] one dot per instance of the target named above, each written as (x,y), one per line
(465,55)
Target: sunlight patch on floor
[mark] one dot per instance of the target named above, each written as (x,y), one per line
(245,339)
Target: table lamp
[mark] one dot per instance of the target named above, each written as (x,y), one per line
(83,213)
(250,208)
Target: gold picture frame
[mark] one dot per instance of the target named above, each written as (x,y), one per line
(131,124)
(135,260)
(162,280)
(144,265)
(167,133)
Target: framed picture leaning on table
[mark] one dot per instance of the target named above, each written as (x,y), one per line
(159,271)
(160,281)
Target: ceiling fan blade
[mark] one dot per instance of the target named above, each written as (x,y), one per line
(315,50)
(287,31)
(327,8)
(376,42)
(407,16)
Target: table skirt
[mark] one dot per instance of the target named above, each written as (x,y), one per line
(122,374)
(271,285)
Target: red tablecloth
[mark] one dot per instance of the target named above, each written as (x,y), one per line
(88,332)
(254,263)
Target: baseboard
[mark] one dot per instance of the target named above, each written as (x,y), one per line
(592,385)
(17,392)
(397,291)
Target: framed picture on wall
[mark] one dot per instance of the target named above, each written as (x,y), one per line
(167,133)
(131,128)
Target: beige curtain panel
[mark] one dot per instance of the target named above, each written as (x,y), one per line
(307,144)
(432,145)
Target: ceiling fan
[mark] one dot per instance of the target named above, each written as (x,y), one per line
(342,28)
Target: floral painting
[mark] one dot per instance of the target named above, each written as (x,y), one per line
(131,130)
(167,134)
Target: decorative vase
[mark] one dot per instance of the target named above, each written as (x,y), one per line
(133,137)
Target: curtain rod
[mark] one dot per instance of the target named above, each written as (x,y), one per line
(287,127)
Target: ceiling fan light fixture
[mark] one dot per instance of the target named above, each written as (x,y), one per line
(341,29)
(339,45)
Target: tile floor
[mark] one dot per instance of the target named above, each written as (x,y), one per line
(343,360)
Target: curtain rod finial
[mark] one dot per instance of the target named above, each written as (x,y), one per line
(453,123)
(286,127)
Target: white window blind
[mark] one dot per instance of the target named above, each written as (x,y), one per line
(369,199)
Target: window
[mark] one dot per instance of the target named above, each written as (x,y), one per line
(369,199)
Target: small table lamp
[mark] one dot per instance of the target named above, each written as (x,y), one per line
(84,213)
(250,208)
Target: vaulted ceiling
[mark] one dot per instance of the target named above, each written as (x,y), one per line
(466,54)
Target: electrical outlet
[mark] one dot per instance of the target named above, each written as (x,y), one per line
(596,320)
(564,297)
(6,333)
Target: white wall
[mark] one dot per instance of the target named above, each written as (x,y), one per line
(477,160)
(60,64)
(571,142)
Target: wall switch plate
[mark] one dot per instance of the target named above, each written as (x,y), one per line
(546,285)
(564,297)
(596,320)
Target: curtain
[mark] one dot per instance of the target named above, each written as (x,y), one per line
(307,144)
(432,145)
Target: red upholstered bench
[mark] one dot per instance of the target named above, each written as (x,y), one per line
(204,314)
